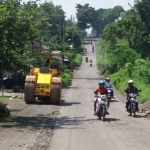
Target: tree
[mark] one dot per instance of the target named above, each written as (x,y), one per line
(130,28)
(19,26)
(97,18)
(143,8)
(85,15)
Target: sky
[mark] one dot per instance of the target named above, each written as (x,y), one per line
(69,5)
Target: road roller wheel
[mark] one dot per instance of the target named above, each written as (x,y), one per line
(29,93)
(55,97)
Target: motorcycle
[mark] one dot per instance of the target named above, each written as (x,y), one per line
(109,90)
(132,106)
(86,59)
(90,63)
(93,49)
(101,106)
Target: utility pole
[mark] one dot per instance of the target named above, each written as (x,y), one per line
(64,25)
(60,31)
(71,18)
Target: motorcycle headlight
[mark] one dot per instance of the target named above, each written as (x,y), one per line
(133,99)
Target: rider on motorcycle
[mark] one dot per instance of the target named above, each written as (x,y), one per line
(130,89)
(102,90)
(92,48)
(91,62)
(86,59)
(109,84)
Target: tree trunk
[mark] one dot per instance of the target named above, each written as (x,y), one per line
(1,80)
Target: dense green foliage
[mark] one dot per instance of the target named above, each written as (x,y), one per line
(125,49)
(23,23)
(77,60)
(139,71)
(66,78)
(98,19)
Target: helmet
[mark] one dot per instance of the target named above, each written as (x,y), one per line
(107,78)
(131,81)
(101,82)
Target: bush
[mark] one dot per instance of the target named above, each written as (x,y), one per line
(66,78)
(81,49)
(120,80)
(131,68)
(68,72)
(77,60)
(4,111)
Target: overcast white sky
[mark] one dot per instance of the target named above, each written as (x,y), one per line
(69,5)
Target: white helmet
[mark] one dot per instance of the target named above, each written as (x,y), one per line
(131,81)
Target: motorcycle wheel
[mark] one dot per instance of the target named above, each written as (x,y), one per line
(103,114)
(134,111)
(99,116)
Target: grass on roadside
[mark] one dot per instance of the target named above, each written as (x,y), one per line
(4,112)
(101,56)
(77,60)
(66,78)
(4,99)
(120,78)
(120,81)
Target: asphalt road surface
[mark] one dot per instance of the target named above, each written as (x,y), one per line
(73,126)
(78,129)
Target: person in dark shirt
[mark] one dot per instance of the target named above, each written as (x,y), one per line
(130,89)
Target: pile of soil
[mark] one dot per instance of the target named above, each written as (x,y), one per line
(145,106)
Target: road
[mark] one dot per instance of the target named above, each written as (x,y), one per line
(78,129)
(73,126)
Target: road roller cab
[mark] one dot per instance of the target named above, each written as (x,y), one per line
(44,82)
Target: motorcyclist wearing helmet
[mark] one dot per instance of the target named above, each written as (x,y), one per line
(110,85)
(86,59)
(102,90)
(130,89)
(92,48)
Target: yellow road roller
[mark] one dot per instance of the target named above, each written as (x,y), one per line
(44,82)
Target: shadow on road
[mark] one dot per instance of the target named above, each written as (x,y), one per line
(114,100)
(138,116)
(111,119)
(21,122)
(64,103)
(66,122)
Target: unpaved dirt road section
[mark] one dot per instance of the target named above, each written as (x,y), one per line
(78,129)
(31,128)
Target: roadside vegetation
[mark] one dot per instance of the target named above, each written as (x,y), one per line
(126,49)
(66,78)
(42,24)
(4,112)
(77,60)
(24,24)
